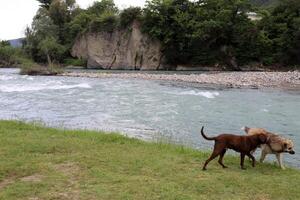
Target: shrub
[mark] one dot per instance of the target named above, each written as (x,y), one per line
(106,23)
(38,70)
(75,62)
(128,15)
(13,57)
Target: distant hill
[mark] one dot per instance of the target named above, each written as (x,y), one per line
(264,2)
(16,42)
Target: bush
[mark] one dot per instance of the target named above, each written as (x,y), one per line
(7,56)
(106,23)
(128,15)
(38,70)
(13,57)
(75,62)
(79,25)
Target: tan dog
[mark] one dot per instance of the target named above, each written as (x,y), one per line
(276,144)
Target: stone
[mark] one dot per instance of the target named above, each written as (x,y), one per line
(128,49)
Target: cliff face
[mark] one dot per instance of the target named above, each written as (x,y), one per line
(121,49)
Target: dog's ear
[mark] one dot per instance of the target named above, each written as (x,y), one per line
(285,145)
(246,129)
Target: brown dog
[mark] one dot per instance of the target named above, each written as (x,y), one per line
(277,144)
(242,144)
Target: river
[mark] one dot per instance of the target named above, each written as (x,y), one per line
(149,110)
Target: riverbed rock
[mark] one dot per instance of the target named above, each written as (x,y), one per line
(121,49)
(254,80)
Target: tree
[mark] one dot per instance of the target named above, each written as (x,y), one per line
(130,14)
(52,49)
(200,32)
(45,3)
(51,21)
(4,43)
(99,7)
(282,27)
(79,24)
(41,28)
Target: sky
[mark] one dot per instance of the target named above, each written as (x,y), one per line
(15,15)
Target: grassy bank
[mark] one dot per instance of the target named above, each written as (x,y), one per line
(43,163)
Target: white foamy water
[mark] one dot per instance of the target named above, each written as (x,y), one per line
(149,110)
(39,87)
(207,94)
(5,78)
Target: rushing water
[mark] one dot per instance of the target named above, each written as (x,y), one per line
(150,110)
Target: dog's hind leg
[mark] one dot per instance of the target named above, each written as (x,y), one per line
(213,156)
(221,158)
(217,151)
(279,159)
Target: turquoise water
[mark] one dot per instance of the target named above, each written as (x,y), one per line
(149,110)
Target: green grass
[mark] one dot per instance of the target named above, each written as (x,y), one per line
(44,163)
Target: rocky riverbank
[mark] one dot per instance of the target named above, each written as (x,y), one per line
(228,79)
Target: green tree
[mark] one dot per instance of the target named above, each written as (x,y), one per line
(130,14)
(79,24)
(4,43)
(42,27)
(282,28)
(100,7)
(201,32)
(45,3)
(52,49)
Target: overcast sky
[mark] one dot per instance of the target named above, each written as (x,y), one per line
(15,15)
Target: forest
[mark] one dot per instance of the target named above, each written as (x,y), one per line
(202,32)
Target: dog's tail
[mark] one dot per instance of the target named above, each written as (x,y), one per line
(246,129)
(205,137)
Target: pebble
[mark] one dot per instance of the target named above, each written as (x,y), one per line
(228,79)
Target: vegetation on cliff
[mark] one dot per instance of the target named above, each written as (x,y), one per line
(206,32)
(265,3)
(45,163)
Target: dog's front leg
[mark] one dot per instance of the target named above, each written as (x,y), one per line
(252,153)
(252,158)
(242,161)
(280,161)
(263,155)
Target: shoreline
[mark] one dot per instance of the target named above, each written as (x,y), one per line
(245,80)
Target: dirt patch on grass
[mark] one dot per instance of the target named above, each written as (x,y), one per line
(68,195)
(67,169)
(12,179)
(72,188)
(35,178)
(33,198)
(6,182)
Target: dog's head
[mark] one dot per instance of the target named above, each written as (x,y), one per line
(262,138)
(288,146)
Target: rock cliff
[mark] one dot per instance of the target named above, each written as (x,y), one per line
(120,49)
